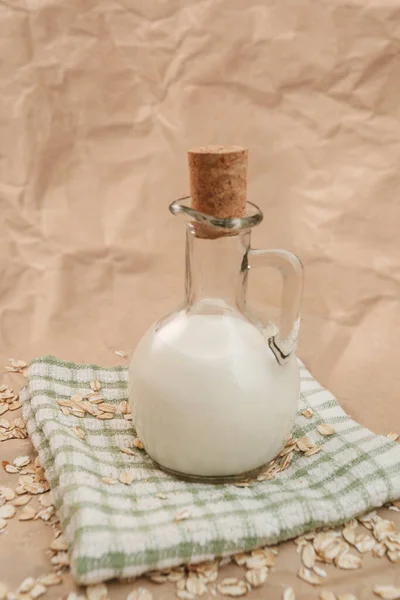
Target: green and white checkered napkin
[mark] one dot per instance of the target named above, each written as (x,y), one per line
(119,530)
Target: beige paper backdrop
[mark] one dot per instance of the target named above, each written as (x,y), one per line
(99,101)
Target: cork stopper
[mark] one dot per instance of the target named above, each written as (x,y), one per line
(218,180)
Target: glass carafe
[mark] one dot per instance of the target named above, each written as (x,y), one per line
(213,390)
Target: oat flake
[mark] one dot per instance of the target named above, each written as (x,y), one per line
(183,514)
(230,586)
(27,513)
(256,577)
(288,594)
(22,500)
(309,576)
(37,591)
(126,477)
(50,579)
(128,451)
(140,594)
(349,561)
(325,429)
(308,413)
(97,592)
(308,556)
(387,592)
(7,511)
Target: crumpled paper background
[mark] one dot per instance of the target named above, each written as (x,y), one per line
(99,102)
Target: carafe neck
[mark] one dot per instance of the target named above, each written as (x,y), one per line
(215,276)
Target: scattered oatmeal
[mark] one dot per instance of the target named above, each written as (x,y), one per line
(16,366)
(195,585)
(231,586)
(9,468)
(240,558)
(45,514)
(95,398)
(349,561)
(95,385)
(257,560)
(120,353)
(50,579)
(7,511)
(35,488)
(393,436)
(364,543)
(313,451)
(394,556)
(22,500)
(128,451)
(6,494)
(140,594)
(107,408)
(308,413)
(21,461)
(109,480)
(26,585)
(320,571)
(105,416)
(37,591)
(308,556)
(304,444)
(383,529)
(309,576)
(387,592)
(27,513)
(183,514)
(97,592)
(138,444)
(270,557)
(257,576)
(285,462)
(379,550)
(79,433)
(158,577)
(60,559)
(123,407)
(325,429)
(15,405)
(126,477)
(59,543)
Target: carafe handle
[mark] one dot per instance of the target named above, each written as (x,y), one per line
(283,343)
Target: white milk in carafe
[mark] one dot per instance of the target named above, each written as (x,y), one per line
(209,397)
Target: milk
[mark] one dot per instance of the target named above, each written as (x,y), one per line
(208,396)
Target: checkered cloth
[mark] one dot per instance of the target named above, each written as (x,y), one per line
(120,530)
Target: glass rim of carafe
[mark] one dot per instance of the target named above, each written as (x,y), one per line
(253,216)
